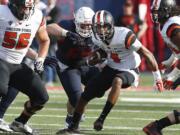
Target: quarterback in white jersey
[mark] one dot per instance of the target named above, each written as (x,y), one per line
(20,22)
(166,13)
(122,50)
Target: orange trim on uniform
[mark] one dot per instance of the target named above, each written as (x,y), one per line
(129,41)
(171,29)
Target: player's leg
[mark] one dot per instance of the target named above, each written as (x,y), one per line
(121,80)
(154,128)
(95,88)
(32,86)
(4,79)
(4,104)
(71,82)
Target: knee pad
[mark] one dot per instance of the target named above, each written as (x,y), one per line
(32,108)
(177,116)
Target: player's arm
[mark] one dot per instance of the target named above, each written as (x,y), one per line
(152,64)
(56,31)
(131,42)
(32,54)
(173,32)
(44,41)
(60,33)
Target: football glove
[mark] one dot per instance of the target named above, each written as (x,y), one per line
(38,65)
(51,61)
(75,38)
(170,78)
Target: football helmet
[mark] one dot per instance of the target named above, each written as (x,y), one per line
(83,21)
(103,25)
(21,9)
(163,9)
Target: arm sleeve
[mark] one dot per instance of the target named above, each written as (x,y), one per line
(131,42)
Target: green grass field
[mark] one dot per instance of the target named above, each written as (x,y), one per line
(134,110)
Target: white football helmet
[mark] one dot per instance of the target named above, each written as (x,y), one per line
(83,21)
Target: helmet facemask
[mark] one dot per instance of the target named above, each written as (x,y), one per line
(104,31)
(83,21)
(163,10)
(103,25)
(22,9)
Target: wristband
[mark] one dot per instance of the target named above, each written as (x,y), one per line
(64,32)
(157,75)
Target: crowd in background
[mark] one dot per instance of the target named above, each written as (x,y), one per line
(134,14)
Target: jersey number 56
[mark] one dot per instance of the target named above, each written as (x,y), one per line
(12,40)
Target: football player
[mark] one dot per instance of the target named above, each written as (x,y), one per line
(123,51)
(72,54)
(20,22)
(12,93)
(166,13)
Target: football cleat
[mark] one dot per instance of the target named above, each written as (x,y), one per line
(98,124)
(19,127)
(152,129)
(68,120)
(4,126)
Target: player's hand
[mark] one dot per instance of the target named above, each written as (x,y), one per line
(75,38)
(38,65)
(51,61)
(168,84)
(159,85)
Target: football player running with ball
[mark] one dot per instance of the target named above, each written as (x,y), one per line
(123,51)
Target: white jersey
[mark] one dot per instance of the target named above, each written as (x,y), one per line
(166,32)
(121,56)
(121,51)
(16,36)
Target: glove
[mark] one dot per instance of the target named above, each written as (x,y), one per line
(75,38)
(170,78)
(158,83)
(51,61)
(168,84)
(38,65)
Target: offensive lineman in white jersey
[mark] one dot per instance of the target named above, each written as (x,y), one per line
(20,22)
(166,13)
(122,49)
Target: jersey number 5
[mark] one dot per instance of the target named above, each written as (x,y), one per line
(10,40)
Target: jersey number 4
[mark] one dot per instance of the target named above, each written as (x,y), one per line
(115,57)
(11,37)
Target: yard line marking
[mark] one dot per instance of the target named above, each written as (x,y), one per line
(151,100)
(105,127)
(87,117)
(99,110)
(122,99)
